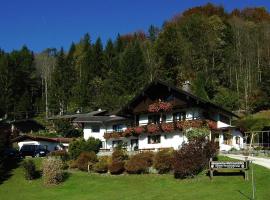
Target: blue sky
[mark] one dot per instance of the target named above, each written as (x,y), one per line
(40,24)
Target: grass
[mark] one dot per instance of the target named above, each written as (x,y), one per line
(83,186)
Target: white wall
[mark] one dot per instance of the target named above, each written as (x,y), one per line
(222,124)
(87,132)
(225,147)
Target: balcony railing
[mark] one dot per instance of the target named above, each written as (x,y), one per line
(165,127)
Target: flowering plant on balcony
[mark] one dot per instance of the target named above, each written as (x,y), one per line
(211,124)
(167,127)
(113,135)
(183,125)
(153,128)
(128,132)
(139,130)
(160,106)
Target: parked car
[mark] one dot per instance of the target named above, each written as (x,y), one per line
(33,150)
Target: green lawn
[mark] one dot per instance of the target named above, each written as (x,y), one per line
(82,186)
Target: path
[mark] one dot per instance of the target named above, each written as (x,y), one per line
(265,162)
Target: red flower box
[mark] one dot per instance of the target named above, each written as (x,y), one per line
(160,106)
(139,130)
(153,128)
(167,127)
(128,132)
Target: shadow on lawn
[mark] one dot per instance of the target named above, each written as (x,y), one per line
(9,165)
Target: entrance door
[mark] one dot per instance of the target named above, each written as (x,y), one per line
(134,143)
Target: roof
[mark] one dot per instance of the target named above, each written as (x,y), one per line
(99,119)
(40,138)
(73,116)
(177,90)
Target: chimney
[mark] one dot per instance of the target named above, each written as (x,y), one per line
(186,86)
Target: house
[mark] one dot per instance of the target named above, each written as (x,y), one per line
(160,117)
(51,144)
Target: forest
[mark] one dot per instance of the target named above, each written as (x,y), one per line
(225,56)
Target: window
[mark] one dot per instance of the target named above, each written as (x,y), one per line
(163,118)
(227,138)
(95,129)
(225,119)
(116,143)
(103,144)
(155,119)
(153,139)
(179,116)
(237,140)
(118,127)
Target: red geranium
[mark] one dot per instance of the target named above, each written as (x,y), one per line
(167,127)
(128,132)
(153,128)
(139,130)
(160,106)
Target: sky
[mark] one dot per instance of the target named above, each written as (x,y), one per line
(41,24)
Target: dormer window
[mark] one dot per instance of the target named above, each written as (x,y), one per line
(118,127)
(179,116)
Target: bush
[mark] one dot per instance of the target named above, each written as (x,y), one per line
(62,154)
(86,160)
(78,146)
(117,164)
(191,159)
(119,155)
(139,163)
(163,161)
(29,169)
(52,171)
(117,167)
(72,164)
(102,165)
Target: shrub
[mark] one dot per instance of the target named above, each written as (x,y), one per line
(102,165)
(117,167)
(119,155)
(191,159)
(86,160)
(72,164)
(29,169)
(62,154)
(163,161)
(78,146)
(139,163)
(117,164)
(52,171)
(211,150)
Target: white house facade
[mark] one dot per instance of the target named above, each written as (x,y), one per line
(158,118)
